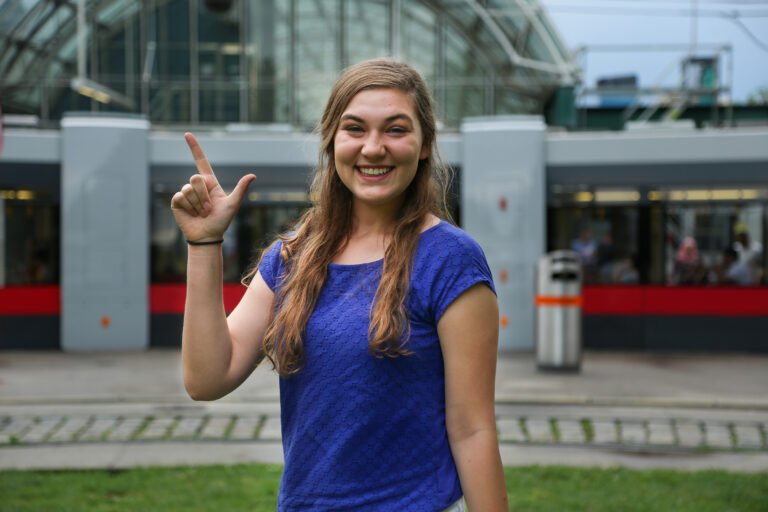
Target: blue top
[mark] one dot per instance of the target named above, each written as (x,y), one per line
(361,433)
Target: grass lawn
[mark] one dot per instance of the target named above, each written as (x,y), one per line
(254,488)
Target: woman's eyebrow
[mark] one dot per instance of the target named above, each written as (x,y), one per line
(395,117)
(352,117)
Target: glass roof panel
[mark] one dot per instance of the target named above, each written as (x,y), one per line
(479,56)
(13,12)
(367,29)
(22,62)
(56,19)
(120,9)
(38,15)
(553,35)
(418,39)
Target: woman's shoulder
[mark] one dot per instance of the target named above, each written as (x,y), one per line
(271,264)
(448,239)
(448,262)
(445,246)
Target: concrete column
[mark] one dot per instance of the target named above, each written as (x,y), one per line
(503,205)
(105,233)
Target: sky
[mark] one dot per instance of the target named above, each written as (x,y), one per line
(598,22)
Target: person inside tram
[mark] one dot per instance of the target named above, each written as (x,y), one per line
(749,251)
(586,247)
(39,271)
(735,270)
(378,314)
(624,270)
(688,268)
(606,258)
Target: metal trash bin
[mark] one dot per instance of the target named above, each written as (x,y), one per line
(558,312)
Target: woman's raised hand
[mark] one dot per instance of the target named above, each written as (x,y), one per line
(201,208)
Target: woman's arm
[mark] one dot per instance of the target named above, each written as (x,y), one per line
(469,335)
(217,353)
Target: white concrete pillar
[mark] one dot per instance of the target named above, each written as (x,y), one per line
(503,206)
(105,233)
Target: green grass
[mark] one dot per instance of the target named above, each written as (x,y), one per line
(188,489)
(602,490)
(254,488)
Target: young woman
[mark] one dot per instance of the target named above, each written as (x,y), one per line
(379,316)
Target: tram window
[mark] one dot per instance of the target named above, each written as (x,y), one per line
(715,244)
(29,238)
(168,251)
(251,230)
(260,224)
(606,238)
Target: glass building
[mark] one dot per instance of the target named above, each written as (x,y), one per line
(216,62)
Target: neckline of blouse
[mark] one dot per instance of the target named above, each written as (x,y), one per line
(378,262)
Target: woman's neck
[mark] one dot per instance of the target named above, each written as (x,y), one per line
(373,221)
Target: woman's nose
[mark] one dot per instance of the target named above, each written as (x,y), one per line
(373,146)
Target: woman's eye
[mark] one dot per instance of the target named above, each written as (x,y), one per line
(353,128)
(398,130)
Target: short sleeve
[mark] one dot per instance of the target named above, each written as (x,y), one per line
(271,265)
(460,264)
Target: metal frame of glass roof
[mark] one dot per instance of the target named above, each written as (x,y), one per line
(507,51)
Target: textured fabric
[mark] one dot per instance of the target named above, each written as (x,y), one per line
(361,433)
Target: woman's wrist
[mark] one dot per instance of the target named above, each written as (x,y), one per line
(206,241)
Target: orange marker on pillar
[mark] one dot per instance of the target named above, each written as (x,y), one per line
(504,321)
(105,321)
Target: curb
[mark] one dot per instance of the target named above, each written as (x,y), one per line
(630,402)
(527,400)
(655,434)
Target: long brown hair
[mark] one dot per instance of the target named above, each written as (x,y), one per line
(323,230)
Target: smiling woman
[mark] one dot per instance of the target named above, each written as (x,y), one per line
(380,317)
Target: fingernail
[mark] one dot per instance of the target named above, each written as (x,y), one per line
(206,206)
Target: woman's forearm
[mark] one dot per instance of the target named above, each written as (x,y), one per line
(480,471)
(206,346)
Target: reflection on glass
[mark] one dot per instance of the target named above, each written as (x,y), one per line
(715,244)
(691,237)
(29,238)
(605,238)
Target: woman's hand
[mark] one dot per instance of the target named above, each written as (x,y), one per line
(201,208)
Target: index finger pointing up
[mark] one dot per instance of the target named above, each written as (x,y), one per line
(201,161)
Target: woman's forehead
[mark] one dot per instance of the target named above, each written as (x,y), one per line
(381,103)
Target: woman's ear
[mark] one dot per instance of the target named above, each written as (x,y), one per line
(424,153)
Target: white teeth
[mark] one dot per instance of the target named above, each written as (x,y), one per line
(374,171)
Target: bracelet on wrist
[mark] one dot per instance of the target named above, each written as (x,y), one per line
(207,242)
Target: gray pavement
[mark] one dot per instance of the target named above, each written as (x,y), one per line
(117,410)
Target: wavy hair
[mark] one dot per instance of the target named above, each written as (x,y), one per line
(323,230)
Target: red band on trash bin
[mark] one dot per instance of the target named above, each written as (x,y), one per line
(548,300)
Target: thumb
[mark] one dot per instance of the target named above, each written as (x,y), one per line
(236,197)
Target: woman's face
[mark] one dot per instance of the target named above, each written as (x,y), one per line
(378,145)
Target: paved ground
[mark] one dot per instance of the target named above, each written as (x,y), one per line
(114,410)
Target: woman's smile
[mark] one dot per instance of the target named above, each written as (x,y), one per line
(373,171)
